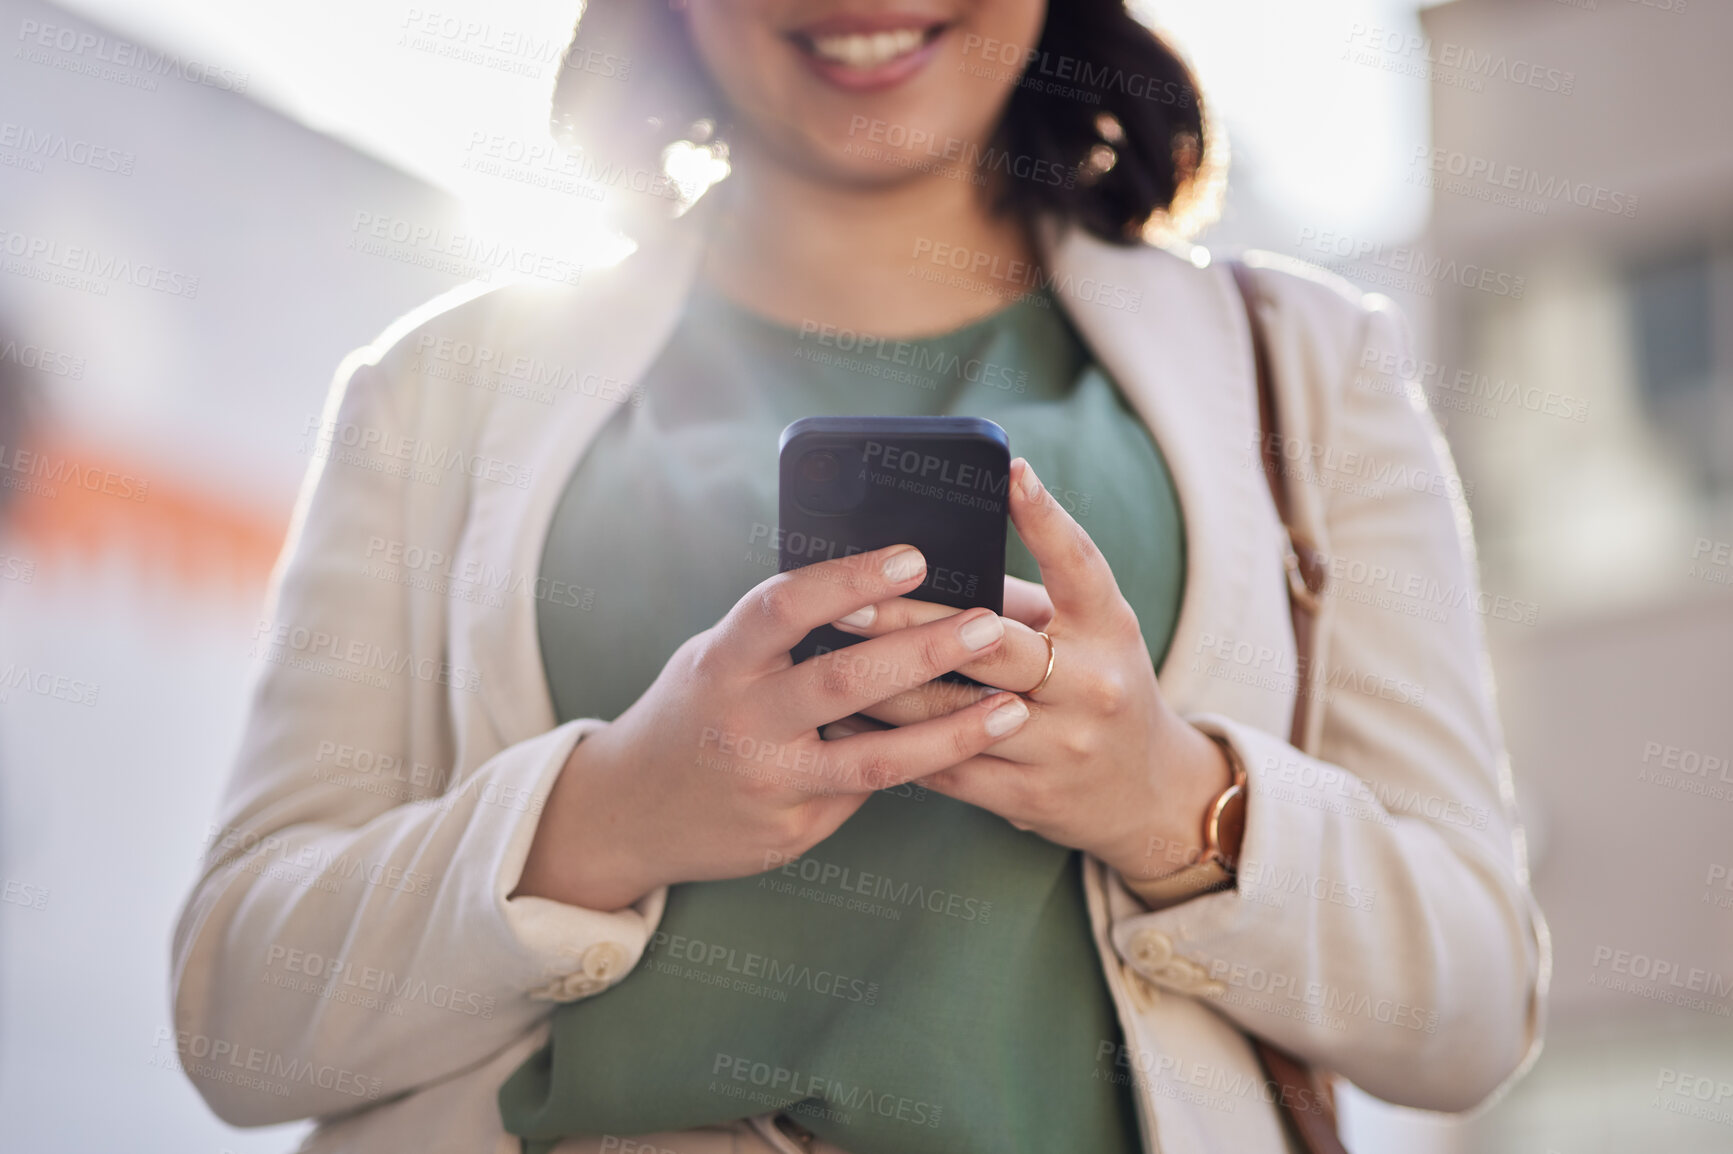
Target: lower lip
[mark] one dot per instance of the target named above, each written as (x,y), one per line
(877,78)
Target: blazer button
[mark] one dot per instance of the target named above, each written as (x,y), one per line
(604,961)
(1144,994)
(1152,950)
(567,988)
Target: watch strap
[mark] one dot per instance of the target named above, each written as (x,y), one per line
(1203,877)
(1223,826)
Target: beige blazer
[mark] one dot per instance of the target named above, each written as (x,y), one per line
(350,955)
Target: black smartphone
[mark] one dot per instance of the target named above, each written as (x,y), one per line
(852,484)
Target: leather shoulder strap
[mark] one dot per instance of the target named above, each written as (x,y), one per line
(1305,565)
(1305,1100)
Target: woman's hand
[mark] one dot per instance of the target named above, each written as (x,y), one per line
(1104,765)
(719,770)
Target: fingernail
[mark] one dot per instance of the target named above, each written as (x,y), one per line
(860,618)
(1031,483)
(982,631)
(1007,717)
(903,564)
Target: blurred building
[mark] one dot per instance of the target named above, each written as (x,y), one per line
(1582,150)
(176,287)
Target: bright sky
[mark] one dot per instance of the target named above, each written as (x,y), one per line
(1313,133)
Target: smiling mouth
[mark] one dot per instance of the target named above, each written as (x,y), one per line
(864,50)
(871,53)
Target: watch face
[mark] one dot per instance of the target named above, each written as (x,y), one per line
(1231,825)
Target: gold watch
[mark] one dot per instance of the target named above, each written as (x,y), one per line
(1224,826)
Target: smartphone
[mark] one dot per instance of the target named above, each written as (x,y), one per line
(852,484)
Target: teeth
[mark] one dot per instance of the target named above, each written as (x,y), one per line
(863,50)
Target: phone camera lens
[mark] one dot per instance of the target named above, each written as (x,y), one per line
(819,467)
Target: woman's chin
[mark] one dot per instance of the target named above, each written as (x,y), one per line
(881,169)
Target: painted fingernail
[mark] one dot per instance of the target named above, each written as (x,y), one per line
(860,618)
(1031,483)
(903,564)
(982,631)
(1007,717)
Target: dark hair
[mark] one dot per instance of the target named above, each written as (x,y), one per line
(1102,100)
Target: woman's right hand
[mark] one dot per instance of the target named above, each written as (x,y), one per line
(719,769)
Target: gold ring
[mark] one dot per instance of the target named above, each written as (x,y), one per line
(1049,673)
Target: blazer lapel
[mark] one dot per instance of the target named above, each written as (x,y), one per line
(1178,346)
(607,332)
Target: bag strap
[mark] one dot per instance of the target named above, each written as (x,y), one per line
(1305,1100)
(1304,564)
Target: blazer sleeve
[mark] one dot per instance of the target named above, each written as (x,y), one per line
(1381,926)
(350,938)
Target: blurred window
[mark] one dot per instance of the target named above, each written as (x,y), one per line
(1672,309)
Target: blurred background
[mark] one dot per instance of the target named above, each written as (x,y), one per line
(187,189)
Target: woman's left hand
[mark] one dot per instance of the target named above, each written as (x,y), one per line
(1103,764)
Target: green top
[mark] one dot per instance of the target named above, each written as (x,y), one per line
(924,980)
